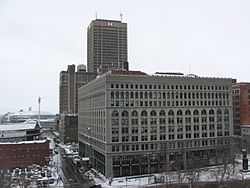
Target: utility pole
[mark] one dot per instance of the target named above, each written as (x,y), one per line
(39,101)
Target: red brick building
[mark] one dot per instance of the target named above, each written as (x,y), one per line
(241,106)
(23,154)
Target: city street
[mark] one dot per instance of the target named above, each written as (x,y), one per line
(73,177)
(66,170)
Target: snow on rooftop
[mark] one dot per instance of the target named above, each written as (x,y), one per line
(25,142)
(18,126)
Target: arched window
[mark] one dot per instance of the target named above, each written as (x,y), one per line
(125,114)
(211,112)
(219,116)
(144,113)
(162,113)
(134,118)
(153,119)
(115,114)
(125,119)
(187,113)
(226,112)
(162,117)
(218,112)
(153,113)
(171,113)
(134,114)
(226,118)
(203,112)
(196,112)
(115,118)
(179,113)
(144,118)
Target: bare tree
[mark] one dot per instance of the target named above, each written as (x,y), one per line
(167,175)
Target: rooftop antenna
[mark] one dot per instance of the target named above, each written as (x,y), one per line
(96,15)
(121,16)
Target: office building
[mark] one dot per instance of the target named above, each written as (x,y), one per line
(70,81)
(241,106)
(68,128)
(131,123)
(241,113)
(107,46)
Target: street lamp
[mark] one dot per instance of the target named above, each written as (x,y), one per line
(90,145)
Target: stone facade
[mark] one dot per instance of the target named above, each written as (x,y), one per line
(136,124)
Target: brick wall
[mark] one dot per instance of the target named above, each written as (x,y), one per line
(23,154)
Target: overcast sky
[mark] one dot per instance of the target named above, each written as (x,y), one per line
(39,38)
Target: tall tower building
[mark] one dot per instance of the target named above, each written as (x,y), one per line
(70,81)
(107,46)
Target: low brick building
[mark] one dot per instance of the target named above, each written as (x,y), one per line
(23,154)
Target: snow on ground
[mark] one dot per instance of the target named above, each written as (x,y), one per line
(208,174)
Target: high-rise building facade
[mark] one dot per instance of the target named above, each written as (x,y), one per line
(70,81)
(107,46)
(132,124)
(241,106)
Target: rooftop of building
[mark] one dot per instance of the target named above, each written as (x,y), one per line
(158,74)
(27,125)
(25,142)
(242,84)
(107,20)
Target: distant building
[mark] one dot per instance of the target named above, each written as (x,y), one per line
(107,46)
(133,124)
(16,132)
(23,115)
(68,128)
(23,154)
(48,124)
(241,106)
(70,81)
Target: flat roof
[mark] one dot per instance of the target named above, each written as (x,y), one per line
(17,126)
(25,142)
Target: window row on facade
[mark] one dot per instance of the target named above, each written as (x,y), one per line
(168,87)
(170,145)
(132,103)
(168,95)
